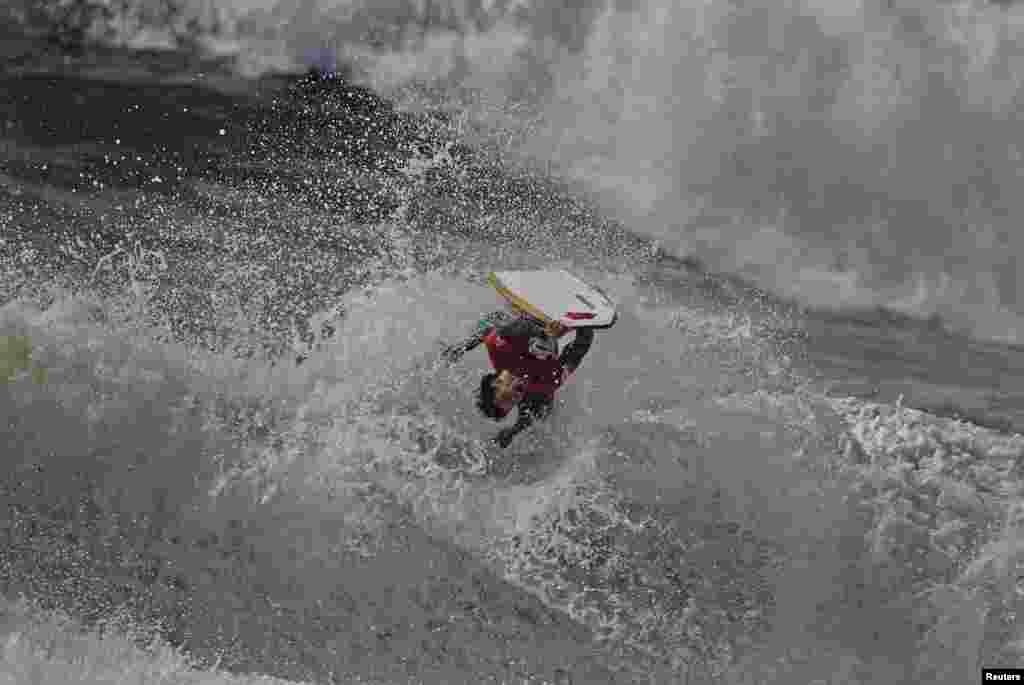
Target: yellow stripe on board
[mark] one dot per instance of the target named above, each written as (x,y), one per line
(517,302)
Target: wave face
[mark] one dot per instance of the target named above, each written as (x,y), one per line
(848,155)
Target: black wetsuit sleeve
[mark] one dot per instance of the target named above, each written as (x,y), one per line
(531,408)
(574,352)
(496,318)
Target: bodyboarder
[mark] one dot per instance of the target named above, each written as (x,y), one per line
(528,368)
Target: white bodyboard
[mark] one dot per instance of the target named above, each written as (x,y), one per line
(556,296)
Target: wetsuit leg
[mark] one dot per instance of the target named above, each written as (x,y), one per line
(574,353)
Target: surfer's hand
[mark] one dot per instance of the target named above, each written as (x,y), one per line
(452,353)
(504,437)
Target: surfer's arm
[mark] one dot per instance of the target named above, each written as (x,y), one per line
(530,409)
(574,352)
(496,318)
(505,435)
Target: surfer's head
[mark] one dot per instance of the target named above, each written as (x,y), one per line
(499,393)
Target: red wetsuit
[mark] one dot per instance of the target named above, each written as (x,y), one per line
(535,359)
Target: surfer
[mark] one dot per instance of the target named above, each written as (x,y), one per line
(528,368)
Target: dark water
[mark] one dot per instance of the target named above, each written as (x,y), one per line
(875,354)
(949,375)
